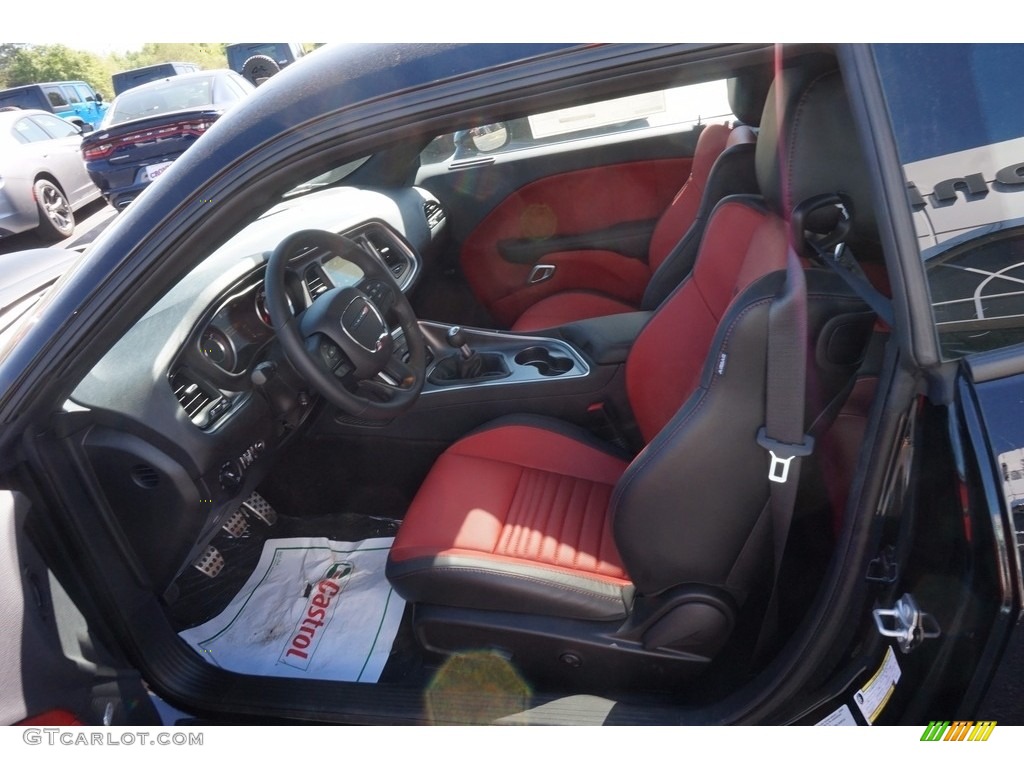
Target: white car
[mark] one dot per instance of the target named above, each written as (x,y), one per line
(43,180)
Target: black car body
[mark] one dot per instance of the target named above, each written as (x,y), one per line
(146,128)
(130,78)
(257,62)
(208,377)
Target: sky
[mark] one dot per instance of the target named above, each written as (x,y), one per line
(519,21)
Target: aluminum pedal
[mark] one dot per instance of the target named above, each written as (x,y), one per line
(236,526)
(259,508)
(210,563)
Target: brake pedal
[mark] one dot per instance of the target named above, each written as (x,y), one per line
(236,526)
(210,563)
(260,508)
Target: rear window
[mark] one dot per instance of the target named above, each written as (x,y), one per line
(147,101)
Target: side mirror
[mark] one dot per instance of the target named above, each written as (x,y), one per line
(489,138)
(483,139)
(84,128)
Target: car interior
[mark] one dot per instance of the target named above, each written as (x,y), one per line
(559,396)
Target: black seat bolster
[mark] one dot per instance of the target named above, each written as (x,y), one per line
(491,584)
(686,509)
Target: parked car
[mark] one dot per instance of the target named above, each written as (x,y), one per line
(262,454)
(43,180)
(257,62)
(130,78)
(73,100)
(148,127)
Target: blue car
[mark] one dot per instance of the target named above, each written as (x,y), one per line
(690,391)
(147,127)
(74,100)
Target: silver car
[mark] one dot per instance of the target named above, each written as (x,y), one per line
(43,180)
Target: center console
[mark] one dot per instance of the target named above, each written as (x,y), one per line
(575,373)
(464,357)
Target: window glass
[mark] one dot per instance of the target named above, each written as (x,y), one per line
(27,132)
(56,97)
(955,112)
(79,93)
(234,90)
(679,108)
(158,98)
(56,127)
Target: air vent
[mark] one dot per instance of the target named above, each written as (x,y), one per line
(314,282)
(380,243)
(434,213)
(145,476)
(382,246)
(203,405)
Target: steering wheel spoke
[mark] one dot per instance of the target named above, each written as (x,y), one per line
(400,372)
(330,353)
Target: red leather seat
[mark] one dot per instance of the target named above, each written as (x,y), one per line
(528,501)
(534,517)
(677,234)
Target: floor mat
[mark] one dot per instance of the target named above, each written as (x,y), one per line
(312,608)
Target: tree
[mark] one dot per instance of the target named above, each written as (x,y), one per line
(7,51)
(206,55)
(42,63)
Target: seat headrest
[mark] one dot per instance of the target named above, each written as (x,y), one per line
(748,90)
(808,144)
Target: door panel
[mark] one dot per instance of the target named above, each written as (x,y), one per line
(55,670)
(37,677)
(584,201)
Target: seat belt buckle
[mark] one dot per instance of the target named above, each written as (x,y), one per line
(783,454)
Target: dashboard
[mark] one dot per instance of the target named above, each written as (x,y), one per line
(207,335)
(188,407)
(241,325)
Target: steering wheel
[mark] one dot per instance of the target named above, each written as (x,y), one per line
(342,344)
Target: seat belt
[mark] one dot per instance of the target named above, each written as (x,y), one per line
(783,432)
(786,369)
(831,250)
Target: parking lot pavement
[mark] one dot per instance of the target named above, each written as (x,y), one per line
(89,222)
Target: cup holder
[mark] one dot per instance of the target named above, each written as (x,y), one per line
(546,363)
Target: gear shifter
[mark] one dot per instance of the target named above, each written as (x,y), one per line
(469,365)
(456,338)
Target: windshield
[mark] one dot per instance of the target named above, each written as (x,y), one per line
(322,180)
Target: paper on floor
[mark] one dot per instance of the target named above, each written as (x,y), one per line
(313,608)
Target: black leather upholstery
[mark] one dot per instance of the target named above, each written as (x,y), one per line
(808,144)
(692,507)
(747,93)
